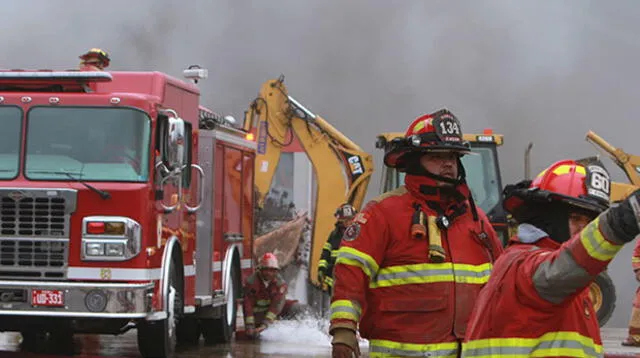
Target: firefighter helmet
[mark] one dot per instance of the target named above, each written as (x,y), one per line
(345,211)
(269,260)
(436,132)
(96,54)
(582,185)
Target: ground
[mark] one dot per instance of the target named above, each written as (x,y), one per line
(286,339)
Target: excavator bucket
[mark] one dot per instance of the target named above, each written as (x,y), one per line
(283,241)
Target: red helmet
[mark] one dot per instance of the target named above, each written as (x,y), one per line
(582,185)
(345,211)
(96,53)
(269,260)
(439,131)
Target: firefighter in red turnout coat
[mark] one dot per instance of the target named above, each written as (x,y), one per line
(412,262)
(265,300)
(536,303)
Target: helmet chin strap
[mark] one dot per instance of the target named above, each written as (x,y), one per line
(414,167)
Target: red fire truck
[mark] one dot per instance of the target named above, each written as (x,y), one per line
(123,204)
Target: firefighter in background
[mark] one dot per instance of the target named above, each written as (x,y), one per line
(537,300)
(412,263)
(633,339)
(344,214)
(265,300)
(94,60)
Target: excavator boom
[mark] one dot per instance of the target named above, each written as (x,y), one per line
(342,169)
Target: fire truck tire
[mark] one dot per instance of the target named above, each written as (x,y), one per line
(158,338)
(188,332)
(220,330)
(603,295)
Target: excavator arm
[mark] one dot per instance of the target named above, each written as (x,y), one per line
(629,163)
(342,169)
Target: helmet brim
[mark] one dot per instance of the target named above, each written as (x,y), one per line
(396,158)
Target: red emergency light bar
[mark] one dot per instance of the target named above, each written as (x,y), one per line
(7,77)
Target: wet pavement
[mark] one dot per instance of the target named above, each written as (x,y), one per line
(285,339)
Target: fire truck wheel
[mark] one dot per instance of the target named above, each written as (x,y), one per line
(220,330)
(603,295)
(188,332)
(158,338)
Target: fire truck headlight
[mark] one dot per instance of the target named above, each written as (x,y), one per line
(114,249)
(110,238)
(94,249)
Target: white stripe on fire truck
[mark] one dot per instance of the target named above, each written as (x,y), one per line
(120,274)
(244,264)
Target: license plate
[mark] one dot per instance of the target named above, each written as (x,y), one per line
(51,298)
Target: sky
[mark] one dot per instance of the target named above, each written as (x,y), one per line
(539,71)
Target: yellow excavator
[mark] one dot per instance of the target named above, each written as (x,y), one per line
(342,169)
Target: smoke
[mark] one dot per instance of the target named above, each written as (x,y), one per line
(535,71)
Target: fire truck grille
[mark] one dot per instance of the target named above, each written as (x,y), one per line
(29,216)
(35,259)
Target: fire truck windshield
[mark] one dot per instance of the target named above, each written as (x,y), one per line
(87,144)
(11,119)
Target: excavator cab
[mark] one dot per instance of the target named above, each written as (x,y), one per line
(483,175)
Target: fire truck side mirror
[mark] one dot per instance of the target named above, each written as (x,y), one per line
(174,151)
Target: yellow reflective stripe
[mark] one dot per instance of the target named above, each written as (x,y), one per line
(270,316)
(345,309)
(260,309)
(263,302)
(327,246)
(249,320)
(565,169)
(352,257)
(635,259)
(430,273)
(595,244)
(328,280)
(553,344)
(335,253)
(384,348)
(323,263)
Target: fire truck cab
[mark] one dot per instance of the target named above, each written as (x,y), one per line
(123,204)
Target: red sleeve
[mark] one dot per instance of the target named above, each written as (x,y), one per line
(361,252)
(555,276)
(635,259)
(249,300)
(277,303)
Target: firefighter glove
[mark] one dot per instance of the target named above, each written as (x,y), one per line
(345,344)
(623,220)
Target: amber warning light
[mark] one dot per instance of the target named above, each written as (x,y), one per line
(250,136)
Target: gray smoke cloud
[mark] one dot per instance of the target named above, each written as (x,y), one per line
(538,71)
